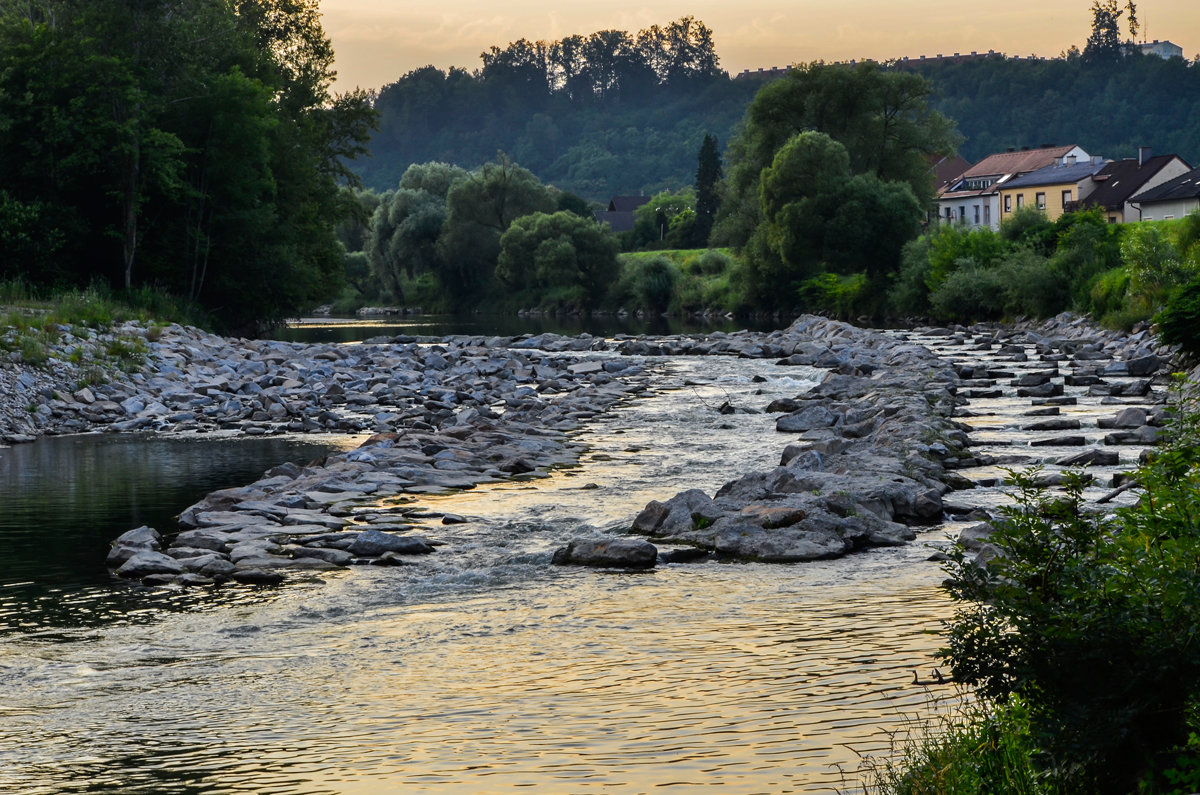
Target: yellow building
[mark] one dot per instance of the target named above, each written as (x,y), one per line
(1054,189)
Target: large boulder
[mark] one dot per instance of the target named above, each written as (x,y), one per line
(624,553)
(373,543)
(148,562)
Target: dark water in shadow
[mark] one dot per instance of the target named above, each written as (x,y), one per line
(63,499)
(356,329)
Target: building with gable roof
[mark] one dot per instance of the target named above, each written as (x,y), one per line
(1174,198)
(973,199)
(1054,189)
(1120,180)
(620,213)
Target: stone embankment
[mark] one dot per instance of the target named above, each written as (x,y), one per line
(911,417)
(868,455)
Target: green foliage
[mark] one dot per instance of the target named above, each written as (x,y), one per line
(971,292)
(1030,227)
(665,221)
(191,146)
(647,283)
(951,247)
(1091,619)
(708,200)
(542,252)
(880,117)
(986,750)
(833,295)
(1179,323)
(1153,263)
(610,113)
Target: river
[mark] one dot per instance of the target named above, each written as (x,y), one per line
(483,668)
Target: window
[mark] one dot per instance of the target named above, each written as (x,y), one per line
(962,214)
(948,216)
(1041,200)
(1020,200)
(1066,197)
(987,214)
(1007,203)
(1112,219)
(976,215)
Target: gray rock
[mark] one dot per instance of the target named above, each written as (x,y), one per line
(627,553)
(806,419)
(148,562)
(372,543)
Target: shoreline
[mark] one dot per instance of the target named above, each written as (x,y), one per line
(874,447)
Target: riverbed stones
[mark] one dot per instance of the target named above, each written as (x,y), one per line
(607,552)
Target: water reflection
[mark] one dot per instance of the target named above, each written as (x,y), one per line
(65,498)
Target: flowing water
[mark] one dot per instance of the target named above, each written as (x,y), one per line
(482,668)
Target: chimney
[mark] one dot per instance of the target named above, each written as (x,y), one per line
(1144,154)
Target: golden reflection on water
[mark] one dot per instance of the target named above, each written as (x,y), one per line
(746,678)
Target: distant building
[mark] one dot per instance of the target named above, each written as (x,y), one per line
(1173,199)
(1119,180)
(620,213)
(1163,49)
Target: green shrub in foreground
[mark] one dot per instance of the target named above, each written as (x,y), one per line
(984,751)
(1092,620)
(1179,322)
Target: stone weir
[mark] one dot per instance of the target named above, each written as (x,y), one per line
(867,460)
(870,453)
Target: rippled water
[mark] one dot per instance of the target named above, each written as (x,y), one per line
(483,668)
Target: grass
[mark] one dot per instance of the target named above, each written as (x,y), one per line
(33,320)
(979,750)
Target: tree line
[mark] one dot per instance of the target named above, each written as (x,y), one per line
(604,114)
(192,146)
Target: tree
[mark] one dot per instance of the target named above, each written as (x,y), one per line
(542,251)
(708,174)
(881,118)
(479,210)
(190,144)
(1104,43)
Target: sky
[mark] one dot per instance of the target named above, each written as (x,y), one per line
(378,41)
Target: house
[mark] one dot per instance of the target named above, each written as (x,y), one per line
(946,169)
(1174,198)
(1121,179)
(973,198)
(1054,189)
(1163,49)
(620,213)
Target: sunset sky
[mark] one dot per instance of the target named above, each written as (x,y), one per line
(378,41)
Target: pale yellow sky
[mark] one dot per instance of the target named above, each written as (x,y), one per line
(378,41)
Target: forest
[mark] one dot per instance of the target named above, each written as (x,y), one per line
(192,147)
(615,113)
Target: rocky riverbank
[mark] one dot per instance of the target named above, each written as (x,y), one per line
(867,456)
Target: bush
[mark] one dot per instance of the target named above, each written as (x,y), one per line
(1092,619)
(830,294)
(971,292)
(1031,286)
(654,283)
(1179,322)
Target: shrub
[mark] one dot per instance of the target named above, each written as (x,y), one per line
(1179,322)
(654,283)
(838,296)
(1031,286)
(971,292)
(987,750)
(1092,619)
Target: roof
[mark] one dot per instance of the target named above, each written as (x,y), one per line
(1021,162)
(617,220)
(1120,179)
(626,204)
(1054,175)
(1185,186)
(946,170)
